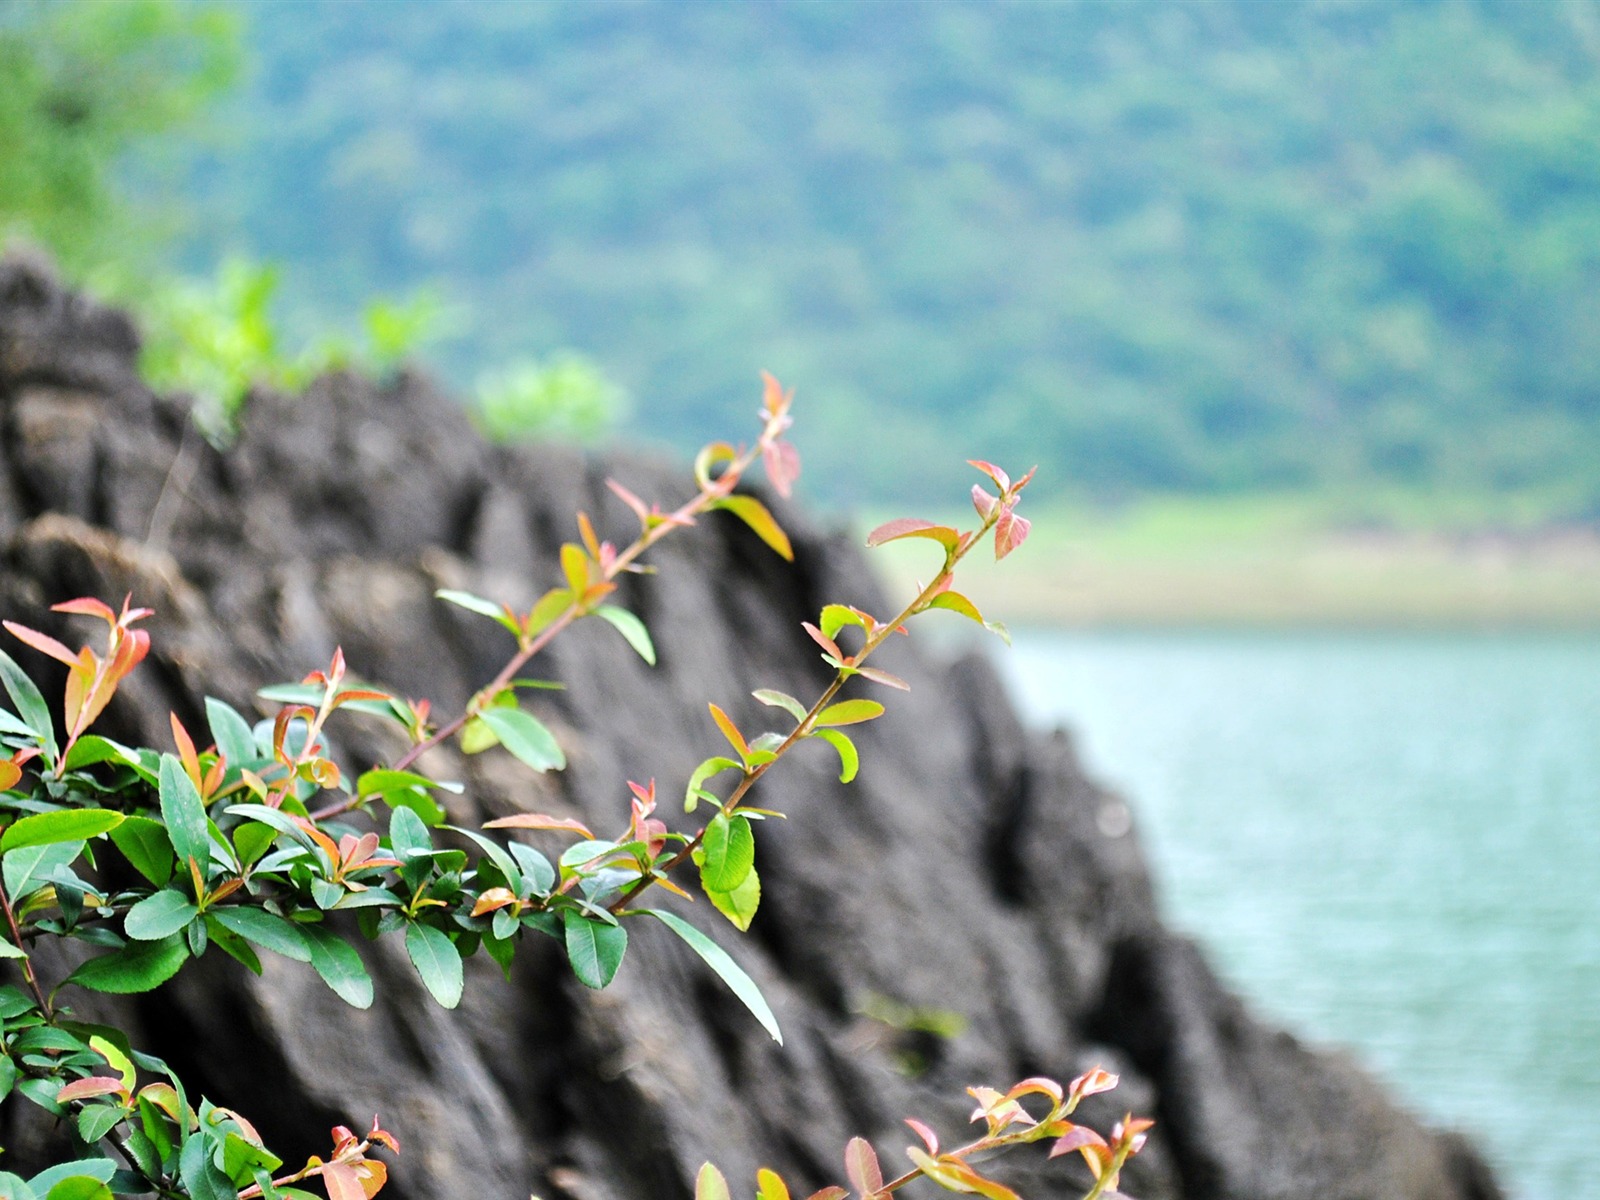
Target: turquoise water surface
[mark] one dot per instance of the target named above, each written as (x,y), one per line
(1390,841)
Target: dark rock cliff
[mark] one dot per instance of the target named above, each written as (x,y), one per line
(969,868)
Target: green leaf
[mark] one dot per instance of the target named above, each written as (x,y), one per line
(96,1120)
(781,700)
(339,965)
(714,765)
(729,971)
(525,737)
(185,816)
(25,870)
(849,712)
(729,853)
(958,603)
(136,968)
(438,962)
(92,748)
(754,514)
(251,840)
(477,604)
(159,916)
(266,930)
(739,905)
(408,836)
(8,1076)
(99,1170)
(710,1184)
(632,628)
(849,760)
(594,948)
(79,1187)
(835,617)
(7,950)
(14,1187)
(31,707)
(476,737)
(231,733)
(200,1176)
(66,825)
(145,844)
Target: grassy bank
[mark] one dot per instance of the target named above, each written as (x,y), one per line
(1298,561)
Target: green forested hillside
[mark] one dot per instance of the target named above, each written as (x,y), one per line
(1163,246)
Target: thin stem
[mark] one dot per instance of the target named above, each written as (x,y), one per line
(807,724)
(27,962)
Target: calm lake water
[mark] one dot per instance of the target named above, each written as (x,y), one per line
(1387,841)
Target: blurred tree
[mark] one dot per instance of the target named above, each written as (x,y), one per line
(84,83)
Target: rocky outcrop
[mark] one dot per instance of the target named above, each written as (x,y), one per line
(972,867)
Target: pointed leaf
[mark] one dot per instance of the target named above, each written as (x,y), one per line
(231,733)
(339,965)
(712,766)
(525,737)
(159,916)
(65,825)
(438,962)
(710,1184)
(783,700)
(632,628)
(849,712)
(861,1167)
(956,602)
(754,514)
(31,707)
(594,948)
(539,821)
(727,970)
(849,759)
(739,905)
(729,853)
(266,930)
(907,527)
(184,814)
(137,968)
(770,1186)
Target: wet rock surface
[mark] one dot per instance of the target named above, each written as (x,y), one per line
(966,869)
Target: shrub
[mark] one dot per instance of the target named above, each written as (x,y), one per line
(255,839)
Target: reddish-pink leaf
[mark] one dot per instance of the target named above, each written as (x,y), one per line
(831,1192)
(87,606)
(982,501)
(884,678)
(539,821)
(493,898)
(94,1085)
(929,1138)
(632,501)
(905,527)
(861,1167)
(822,639)
(782,463)
(1090,1083)
(1037,1085)
(42,642)
(730,731)
(342,1182)
(1001,479)
(1010,531)
(1076,1138)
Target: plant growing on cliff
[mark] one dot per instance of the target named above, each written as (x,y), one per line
(256,839)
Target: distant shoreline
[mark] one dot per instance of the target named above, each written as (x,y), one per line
(1201,566)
